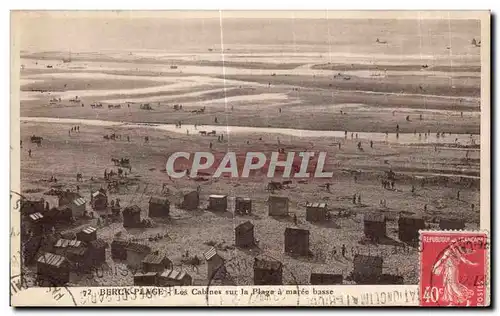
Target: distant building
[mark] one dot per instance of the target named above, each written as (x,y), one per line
(374,226)
(156,262)
(267,272)
(145,279)
(52,270)
(326,279)
(316,212)
(451,223)
(159,207)
(297,241)
(119,249)
(408,227)
(244,235)
(87,234)
(243,205)
(174,278)
(132,217)
(367,269)
(278,205)
(191,201)
(136,252)
(217,203)
(97,252)
(99,200)
(215,265)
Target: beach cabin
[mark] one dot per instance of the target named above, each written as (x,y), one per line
(99,200)
(408,227)
(156,262)
(244,235)
(97,252)
(367,269)
(87,234)
(297,241)
(278,205)
(159,207)
(243,205)
(34,224)
(132,217)
(74,201)
(316,212)
(374,226)
(451,224)
(267,272)
(174,278)
(29,207)
(136,252)
(145,279)
(326,279)
(52,270)
(191,201)
(217,203)
(215,265)
(119,249)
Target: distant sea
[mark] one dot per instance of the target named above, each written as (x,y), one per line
(424,39)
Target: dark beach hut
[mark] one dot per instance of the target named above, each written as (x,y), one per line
(159,206)
(367,269)
(374,226)
(267,272)
(244,235)
(297,241)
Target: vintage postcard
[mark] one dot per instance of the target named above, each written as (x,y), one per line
(250,158)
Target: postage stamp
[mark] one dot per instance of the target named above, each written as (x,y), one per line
(250,158)
(454,268)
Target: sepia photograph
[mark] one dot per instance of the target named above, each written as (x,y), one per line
(200,149)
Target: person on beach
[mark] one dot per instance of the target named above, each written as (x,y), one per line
(29,152)
(371,143)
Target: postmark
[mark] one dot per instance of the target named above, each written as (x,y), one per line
(454,268)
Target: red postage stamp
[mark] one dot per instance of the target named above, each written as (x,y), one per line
(453,268)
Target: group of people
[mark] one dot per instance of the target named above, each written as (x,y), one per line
(74,129)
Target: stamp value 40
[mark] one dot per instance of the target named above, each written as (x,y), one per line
(453,268)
